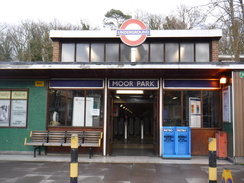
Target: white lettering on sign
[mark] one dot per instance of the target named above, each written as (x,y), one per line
(134,83)
(123,83)
(145,83)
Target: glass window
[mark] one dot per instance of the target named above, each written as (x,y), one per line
(171,52)
(211,100)
(196,109)
(187,52)
(202,52)
(13,108)
(192,109)
(172,108)
(125,53)
(75,107)
(82,52)
(97,52)
(156,52)
(68,52)
(142,53)
(112,52)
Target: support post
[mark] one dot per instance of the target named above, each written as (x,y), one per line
(212,170)
(74,159)
(126,132)
(142,133)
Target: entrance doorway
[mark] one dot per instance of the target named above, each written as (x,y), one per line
(134,124)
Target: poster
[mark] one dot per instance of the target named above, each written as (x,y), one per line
(194,112)
(4,112)
(18,113)
(79,112)
(226,104)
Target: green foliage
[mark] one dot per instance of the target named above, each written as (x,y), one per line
(114,19)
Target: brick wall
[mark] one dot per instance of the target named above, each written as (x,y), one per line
(56,51)
(215,50)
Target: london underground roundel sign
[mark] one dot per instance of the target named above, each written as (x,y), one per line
(133,32)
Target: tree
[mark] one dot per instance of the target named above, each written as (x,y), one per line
(152,21)
(5,44)
(229,16)
(114,19)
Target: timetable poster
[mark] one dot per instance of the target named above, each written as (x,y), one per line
(18,112)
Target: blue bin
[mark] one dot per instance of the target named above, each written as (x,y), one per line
(176,142)
(168,141)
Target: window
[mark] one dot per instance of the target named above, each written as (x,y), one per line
(112,52)
(156,52)
(97,52)
(202,52)
(171,52)
(187,52)
(172,108)
(82,52)
(182,51)
(75,108)
(142,53)
(68,52)
(125,53)
(13,108)
(193,108)
(211,101)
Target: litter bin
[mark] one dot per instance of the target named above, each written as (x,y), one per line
(168,141)
(221,138)
(176,142)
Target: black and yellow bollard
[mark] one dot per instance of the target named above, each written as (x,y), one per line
(212,170)
(74,159)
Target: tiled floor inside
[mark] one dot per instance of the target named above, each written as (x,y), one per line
(134,146)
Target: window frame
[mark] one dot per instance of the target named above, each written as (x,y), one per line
(124,55)
(66,106)
(10,108)
(201,107)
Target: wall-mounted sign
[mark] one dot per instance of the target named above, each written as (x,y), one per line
(39,83)
(89,83)
(133,32)
(226,103)
(133,83)
(242,74)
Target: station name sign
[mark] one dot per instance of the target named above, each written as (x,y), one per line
(133,32)
(134,83)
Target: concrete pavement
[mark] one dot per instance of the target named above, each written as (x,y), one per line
(52,168)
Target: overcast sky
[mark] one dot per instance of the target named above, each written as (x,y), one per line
(72,11)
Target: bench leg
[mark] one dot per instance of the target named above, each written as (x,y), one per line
(35,148)
(90,152)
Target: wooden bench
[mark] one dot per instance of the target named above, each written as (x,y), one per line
(38,138)
(88,139)
(91,139)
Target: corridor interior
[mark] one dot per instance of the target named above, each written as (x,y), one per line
(133,125)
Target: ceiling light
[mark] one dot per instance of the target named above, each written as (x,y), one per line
(222,80)
(129,91)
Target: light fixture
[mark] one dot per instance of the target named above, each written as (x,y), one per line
(129,91)
(222,80)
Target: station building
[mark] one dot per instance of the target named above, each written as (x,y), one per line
(96,82)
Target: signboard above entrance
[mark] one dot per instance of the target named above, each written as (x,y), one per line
(133,32)
(133,83)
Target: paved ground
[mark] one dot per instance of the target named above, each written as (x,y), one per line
(93,172)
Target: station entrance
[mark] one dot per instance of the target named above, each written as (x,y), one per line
(133,128)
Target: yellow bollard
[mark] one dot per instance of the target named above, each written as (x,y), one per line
(212,170)
(74,159)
